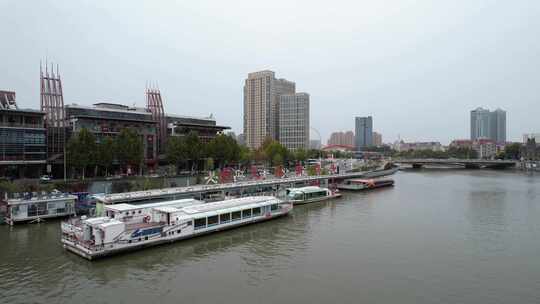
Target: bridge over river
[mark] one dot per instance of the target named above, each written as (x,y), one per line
(466,163)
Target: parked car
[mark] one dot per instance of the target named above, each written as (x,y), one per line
(45,178)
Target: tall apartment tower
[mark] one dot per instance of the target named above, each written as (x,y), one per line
(480,124)
(498,126)
(363,132)
(262,92)
(487,124)
(294,121)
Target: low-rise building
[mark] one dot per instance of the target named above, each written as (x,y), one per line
(205,127)
(485,148)
(108,119)
(341,138)
(461,143)
(531,150)
(535,136)
(419,146)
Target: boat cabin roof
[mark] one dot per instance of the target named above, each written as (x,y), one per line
(130,207)
(308,189)
(41,199)
(215,208)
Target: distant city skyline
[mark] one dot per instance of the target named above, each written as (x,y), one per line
(418,68)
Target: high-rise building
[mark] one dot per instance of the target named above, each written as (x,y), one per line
(498,126)
(480,123)
(377,139)
(488,125)
(341,139)
(294,121)
(262,92)
(364,132)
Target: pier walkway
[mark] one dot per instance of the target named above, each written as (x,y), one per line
(242,188)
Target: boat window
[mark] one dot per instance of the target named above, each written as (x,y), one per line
(223,218)
(213,220)
(246,213)
(140,211)
(274,207)
(257,211)
(200,223)
(296,195)
(236,215)
(178,231)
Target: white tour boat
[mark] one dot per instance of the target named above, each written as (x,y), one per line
(310,194)
(129,227)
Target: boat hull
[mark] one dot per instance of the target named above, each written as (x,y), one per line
(13,221)
(361,187)
(315,200)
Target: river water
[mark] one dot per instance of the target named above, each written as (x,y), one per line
(450,236)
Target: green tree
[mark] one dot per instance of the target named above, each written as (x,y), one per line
(176,151)
(272,149)
(277,160)
(106,154)
(246,155)
(81,151)
(300,155)
(224,150)
(194,149)
(512,151)
(129,149)
(461,152)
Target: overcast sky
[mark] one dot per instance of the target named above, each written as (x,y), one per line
(418,67)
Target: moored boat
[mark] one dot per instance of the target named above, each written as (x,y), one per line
(310,194)
(364,184)
(35,207)
(128,227)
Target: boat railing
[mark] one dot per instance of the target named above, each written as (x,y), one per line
(33,196)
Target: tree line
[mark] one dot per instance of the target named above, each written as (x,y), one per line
(86,155)
(189,152)
(84,152)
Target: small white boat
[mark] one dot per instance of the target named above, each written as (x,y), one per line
(364,184)
(310,194)
(129,227)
